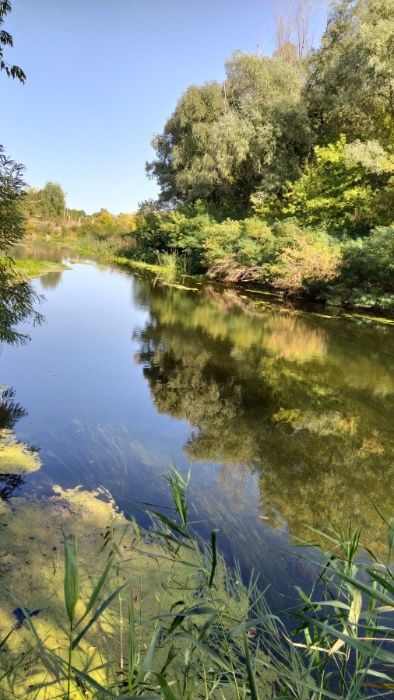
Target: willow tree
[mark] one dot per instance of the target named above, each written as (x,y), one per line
(225,141)
(350,89)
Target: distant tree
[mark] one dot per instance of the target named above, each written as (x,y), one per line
(292,29)
(31,202)
(6,40)
(52,201)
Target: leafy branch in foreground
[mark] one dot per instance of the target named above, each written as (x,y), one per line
(12,71)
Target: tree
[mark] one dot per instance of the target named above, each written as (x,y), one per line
(16,295)
(48,203)
(6,39)
(52,201)
(225,141)
(350,87)
(347,188)
(292,30)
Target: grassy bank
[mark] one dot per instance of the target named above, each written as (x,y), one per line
(172,269)
(106,610)
(30,268)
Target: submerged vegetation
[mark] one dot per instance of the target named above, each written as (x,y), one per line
(127,613)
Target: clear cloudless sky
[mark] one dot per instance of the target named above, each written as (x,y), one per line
(103,76)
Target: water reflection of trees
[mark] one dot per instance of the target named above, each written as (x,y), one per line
(16,457)
(51,279)
(306,403)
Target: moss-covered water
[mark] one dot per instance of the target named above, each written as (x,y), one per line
(286,417)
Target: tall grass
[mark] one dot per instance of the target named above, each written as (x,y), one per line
(212,636)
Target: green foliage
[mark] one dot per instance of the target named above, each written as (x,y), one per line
(12,71)
(210,635)
(265,177)
(367,270)
(350,83)
(345,188)
(16,295)
(286,138)
(48,203)
(307,260)
(225,141)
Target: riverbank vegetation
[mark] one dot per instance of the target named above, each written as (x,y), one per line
(283,174)
(280,177)
(18,301)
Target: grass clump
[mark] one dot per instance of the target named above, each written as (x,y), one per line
(29,268)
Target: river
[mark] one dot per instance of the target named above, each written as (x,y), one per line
(285,417)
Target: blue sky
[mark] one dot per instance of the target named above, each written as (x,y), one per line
(103,76)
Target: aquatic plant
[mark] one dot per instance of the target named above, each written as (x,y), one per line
(205,634)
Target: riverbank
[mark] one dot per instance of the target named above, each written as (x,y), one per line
(30,267)
(170,271)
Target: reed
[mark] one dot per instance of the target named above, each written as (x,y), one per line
(212,636)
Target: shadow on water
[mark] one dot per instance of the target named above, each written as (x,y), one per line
(16,458)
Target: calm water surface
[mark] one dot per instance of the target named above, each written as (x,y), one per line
(285,417)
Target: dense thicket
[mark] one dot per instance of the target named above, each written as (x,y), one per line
(284,173)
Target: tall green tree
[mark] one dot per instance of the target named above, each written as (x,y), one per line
(52,201)
(224,142)
(350,88)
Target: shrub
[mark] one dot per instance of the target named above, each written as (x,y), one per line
(345,188)
(367,270)
(307,260)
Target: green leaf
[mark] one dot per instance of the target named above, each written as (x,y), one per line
(250,670)
(97,614)
(165,688)
(71,576)
(217,660)
(97,589)
(147,662)
(362,646)
(390,535)
(104,691)
(171,524)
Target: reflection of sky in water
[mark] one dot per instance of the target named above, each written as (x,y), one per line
(100,421)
